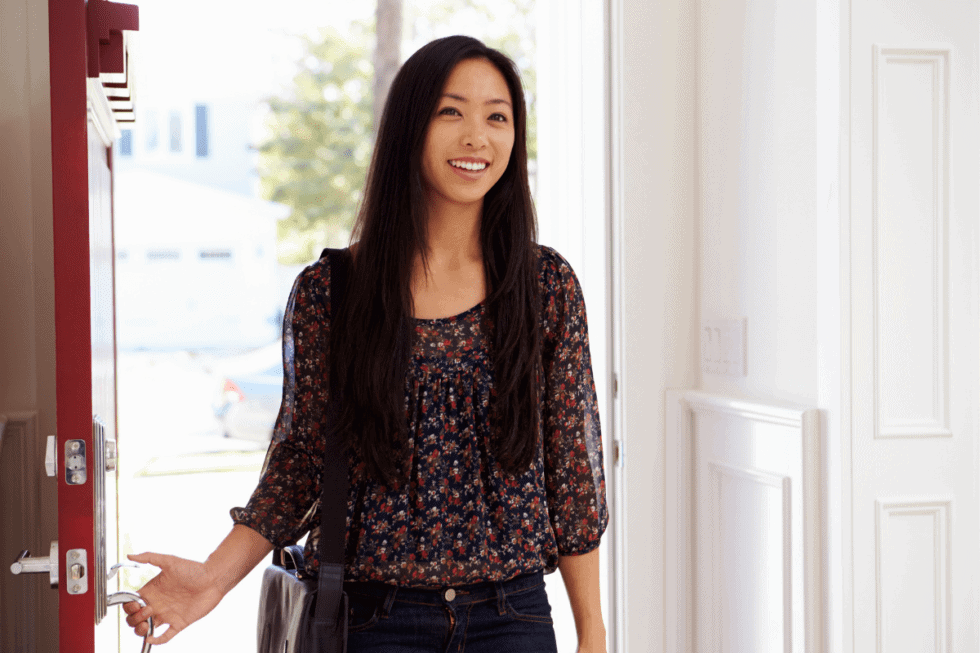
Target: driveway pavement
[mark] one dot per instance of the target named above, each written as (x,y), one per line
(178,478)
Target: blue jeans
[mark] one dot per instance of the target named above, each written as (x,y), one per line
(490,617)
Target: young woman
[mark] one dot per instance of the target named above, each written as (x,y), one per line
(469,410)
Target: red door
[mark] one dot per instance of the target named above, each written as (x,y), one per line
(90,95)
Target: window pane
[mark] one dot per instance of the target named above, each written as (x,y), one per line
(126,143)
(152,134)
(201,118)
(175,145)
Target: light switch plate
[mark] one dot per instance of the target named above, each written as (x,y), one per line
(723,347)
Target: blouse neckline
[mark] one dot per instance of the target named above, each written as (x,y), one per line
(450,318)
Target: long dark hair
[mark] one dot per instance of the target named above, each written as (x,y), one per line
(372,339)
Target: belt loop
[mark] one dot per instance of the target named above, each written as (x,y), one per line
(389,600)
(501,601)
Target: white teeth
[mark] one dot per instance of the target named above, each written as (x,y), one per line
(468,166)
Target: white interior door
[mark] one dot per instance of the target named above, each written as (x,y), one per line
(913,212)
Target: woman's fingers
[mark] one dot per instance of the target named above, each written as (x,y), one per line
(165,637)
(139,616)
(176,597)
(150,558)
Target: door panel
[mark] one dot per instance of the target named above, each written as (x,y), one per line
(90,91)
(914,208)
(87,421)
(73,338)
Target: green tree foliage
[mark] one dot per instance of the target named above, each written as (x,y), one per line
(319,139)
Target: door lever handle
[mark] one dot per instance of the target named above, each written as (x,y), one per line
(126,597)
(25,564)
(114,569)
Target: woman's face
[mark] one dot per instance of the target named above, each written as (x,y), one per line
(470,137)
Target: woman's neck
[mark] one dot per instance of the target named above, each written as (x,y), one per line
(450,277)
(454,235)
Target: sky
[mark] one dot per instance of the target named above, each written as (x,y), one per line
(227,53)
(247,47)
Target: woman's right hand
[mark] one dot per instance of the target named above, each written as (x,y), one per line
(179,595)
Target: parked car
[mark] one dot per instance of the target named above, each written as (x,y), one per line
(249,403)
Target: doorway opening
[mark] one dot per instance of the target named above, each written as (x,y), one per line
(220,202)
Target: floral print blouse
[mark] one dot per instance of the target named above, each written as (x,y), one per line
(461,519)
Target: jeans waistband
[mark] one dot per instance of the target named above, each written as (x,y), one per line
(461,594)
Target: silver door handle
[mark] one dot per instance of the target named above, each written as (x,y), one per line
(114,569)
(25,564)
(126,597)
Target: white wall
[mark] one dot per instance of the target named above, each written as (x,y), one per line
(738,238)
(655,262)
(27,363)
(757,162)
(769,91)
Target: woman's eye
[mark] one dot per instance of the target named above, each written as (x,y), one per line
(449,111)
(499,117)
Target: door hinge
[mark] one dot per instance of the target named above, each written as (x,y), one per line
(618,453)
(615,385)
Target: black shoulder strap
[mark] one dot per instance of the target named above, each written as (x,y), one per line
(333,507)
(335,482)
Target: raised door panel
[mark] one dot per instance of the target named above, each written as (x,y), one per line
(915,380)
(756,553)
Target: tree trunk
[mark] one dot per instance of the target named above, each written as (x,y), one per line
(387,52)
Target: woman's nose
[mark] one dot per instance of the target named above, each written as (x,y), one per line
(474,133)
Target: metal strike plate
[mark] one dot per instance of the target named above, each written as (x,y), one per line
(76,568)
(50,457)
(76,462)
(110,455)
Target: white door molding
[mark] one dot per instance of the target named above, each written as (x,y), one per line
(764,449)
(614,180)
(654,255)
(572,51)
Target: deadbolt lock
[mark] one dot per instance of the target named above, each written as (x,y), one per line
(76,465)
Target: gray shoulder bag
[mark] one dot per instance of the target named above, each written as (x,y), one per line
(298,614)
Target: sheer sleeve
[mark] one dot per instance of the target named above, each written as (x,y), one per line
(281,507)
(575,481)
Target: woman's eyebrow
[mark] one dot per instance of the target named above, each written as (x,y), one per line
(460,98)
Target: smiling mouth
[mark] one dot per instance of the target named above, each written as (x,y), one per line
(472,166)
